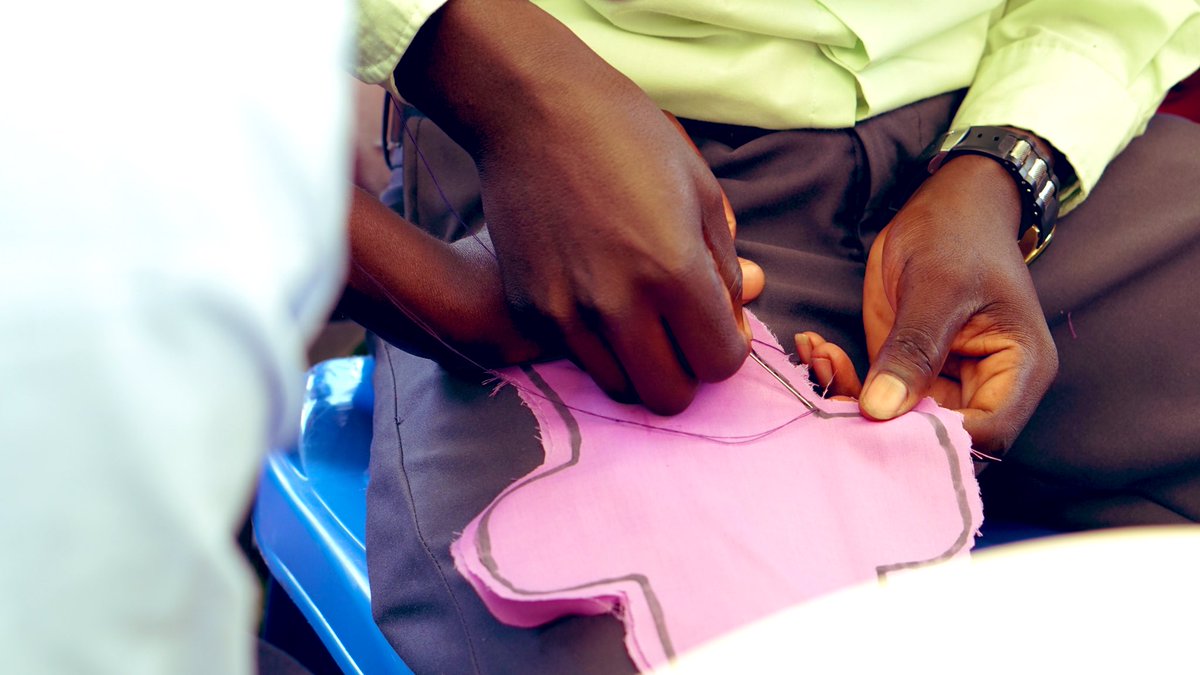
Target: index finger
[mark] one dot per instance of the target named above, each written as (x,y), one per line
(708,338)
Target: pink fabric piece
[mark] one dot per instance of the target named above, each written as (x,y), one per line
(685,539)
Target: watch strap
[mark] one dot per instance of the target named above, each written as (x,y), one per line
(1032,172)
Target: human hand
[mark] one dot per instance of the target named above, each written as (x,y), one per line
(950,310)
(613,242)
(611,232)
(443,301)
(474,320)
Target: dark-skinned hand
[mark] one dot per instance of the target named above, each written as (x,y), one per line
(950,311)
(443,301)
(610,231)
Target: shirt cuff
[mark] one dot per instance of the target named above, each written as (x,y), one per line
(1063,97)
(384,30)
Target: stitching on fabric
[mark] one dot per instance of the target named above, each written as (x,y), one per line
(458,612)
(960,496)
(483,537)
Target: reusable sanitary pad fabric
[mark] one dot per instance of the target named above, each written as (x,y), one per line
(687,538)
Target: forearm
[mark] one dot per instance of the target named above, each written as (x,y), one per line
(443,301)
(394,286)
(485,70)
(610,231)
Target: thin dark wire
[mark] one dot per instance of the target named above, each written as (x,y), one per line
(462,222)
(385,136)
(389,102)
(769,345)
(422,325)
(725,440)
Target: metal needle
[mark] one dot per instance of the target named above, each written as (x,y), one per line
(782,380)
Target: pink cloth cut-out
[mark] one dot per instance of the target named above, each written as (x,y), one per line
(686,538)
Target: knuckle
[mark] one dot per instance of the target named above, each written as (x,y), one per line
(1047,357)
(722,364)
(915,348)
(673,402)
(604,306)
(675,274)
(1033,336)
(540,317)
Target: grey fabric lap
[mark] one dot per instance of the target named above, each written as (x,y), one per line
(443,448)
(1114,442)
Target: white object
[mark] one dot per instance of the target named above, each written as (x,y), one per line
(1121,601)
(172,182)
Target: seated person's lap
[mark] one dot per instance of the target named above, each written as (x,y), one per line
(1113,443)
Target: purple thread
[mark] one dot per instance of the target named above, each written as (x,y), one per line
(1070,324)
(438,186)
(769,345)
(726,440)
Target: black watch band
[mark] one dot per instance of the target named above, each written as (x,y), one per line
(1017,153)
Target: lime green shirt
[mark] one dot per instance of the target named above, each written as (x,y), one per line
(1085,75)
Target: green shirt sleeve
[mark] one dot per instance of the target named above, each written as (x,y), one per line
(1086,76)
(384,30)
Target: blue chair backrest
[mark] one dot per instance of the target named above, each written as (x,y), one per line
(310,516)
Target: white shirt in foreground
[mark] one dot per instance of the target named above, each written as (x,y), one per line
(172,183)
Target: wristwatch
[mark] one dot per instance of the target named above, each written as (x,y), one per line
(1038,187)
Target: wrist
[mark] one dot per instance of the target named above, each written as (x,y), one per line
(1026,159)
(969,186)
(488,70)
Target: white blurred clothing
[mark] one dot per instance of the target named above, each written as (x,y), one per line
(172,203)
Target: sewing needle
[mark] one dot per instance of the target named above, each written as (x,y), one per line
(782,380)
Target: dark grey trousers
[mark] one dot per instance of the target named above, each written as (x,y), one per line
(1115,442)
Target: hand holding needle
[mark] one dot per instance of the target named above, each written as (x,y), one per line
(782,380)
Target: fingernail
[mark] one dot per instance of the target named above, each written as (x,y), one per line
(804,346)
(882,400)
(824,369)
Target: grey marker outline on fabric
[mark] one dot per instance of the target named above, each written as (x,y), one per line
(483,542)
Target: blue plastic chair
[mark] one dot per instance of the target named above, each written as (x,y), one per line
(310,517)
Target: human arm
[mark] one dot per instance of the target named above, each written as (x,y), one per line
(1083,77)
(440,300)
(610,231)
(948,309)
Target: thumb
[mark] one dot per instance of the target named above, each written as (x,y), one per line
(913,354)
